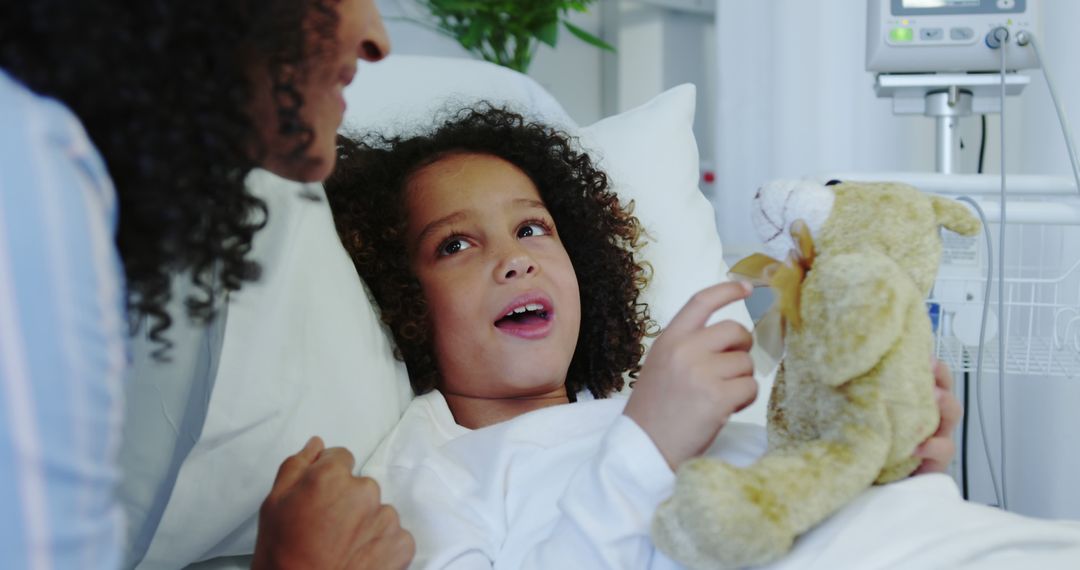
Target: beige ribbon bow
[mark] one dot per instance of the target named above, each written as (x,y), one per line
(786,279)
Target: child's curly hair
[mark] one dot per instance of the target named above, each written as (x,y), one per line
(367,195)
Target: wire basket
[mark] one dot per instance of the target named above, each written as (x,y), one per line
(1041,308)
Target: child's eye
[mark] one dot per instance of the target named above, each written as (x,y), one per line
(530,229)
(453,245)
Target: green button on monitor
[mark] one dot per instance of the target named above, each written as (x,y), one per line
(901,34)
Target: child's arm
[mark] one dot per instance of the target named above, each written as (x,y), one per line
(695,377)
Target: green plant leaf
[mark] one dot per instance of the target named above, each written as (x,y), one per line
(507,32)
(473,35)
(578,5)
(587,37)
(549,34)
(457,5)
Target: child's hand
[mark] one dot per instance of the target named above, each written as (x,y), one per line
(695,377)
(938,450)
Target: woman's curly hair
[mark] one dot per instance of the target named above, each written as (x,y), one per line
(163,88)
(367,195)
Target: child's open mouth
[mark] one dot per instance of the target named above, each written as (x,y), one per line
(527,320)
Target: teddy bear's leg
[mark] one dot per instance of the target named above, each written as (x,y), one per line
(721,516)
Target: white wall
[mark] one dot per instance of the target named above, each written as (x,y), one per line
(659,48)
(794,99)
(1040,146)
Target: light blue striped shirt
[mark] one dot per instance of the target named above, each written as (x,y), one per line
(62,352)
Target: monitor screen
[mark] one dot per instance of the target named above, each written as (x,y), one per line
(952,7)
(940,3)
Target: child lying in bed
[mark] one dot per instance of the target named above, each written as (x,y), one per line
(504,267)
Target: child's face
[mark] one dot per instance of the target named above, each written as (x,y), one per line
(483,245)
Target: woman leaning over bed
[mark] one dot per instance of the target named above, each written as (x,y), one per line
(126,132)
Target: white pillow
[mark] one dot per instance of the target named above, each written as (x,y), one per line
(651,156)
(304,353)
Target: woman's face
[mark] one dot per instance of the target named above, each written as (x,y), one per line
(503,297)
(360,35)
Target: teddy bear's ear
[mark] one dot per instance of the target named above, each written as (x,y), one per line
(955,216)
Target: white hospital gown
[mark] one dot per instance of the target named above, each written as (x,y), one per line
(575,486)
(572,486)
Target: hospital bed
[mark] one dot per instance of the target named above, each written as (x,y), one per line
(302,352)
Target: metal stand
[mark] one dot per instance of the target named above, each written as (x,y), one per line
(947,97)
(947,107)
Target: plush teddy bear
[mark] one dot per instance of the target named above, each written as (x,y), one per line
(855,392)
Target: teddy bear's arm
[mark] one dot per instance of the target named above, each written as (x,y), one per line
(853,307)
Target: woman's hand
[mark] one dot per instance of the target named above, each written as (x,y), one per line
(938,450)
(694,377)
(319,515)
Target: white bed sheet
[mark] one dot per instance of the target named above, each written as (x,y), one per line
(920,523)
(923,523)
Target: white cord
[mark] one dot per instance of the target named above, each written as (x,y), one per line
(1023,38)
(982,338)
(1001,280)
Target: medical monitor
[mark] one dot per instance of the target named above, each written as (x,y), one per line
(928,36)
